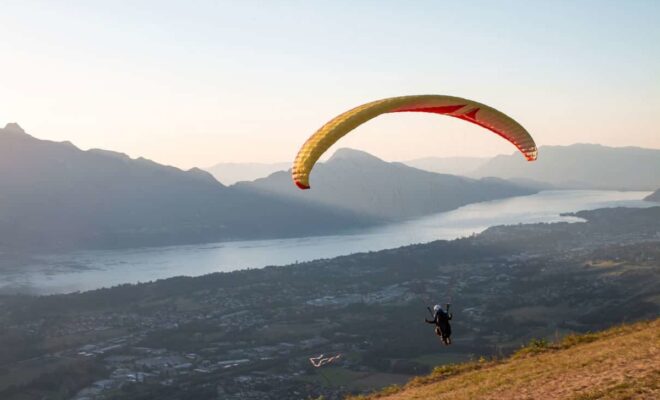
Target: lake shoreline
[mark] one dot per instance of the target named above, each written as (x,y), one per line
(92,269)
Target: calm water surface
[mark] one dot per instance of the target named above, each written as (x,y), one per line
(94,269)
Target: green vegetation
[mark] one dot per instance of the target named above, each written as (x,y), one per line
(535,346)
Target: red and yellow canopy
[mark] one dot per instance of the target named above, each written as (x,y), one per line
(457,107)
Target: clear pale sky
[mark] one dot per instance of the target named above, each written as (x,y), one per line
(193,83)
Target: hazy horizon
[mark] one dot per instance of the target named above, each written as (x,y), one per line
(324,158)
(249,81)
(155,243)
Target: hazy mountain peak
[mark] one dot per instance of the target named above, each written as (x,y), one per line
(56,196)
(579,145)
(589,147)
(13,132)
(203,175)
(109,153)
(366,185)
(448,165)
(353,155)
(14,128)
(581,166)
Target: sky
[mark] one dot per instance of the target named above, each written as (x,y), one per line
(196,83)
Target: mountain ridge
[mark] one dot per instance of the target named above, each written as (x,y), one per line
(57,196)
(448,165)
(575,166)
(582,166)
(363,183)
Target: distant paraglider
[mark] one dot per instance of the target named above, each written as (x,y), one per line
(457,107)
(322,360)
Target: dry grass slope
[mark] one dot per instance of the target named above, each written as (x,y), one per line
(620,363)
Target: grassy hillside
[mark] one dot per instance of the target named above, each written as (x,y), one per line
(620,363)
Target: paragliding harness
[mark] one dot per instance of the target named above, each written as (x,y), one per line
(441,321)
(442,317)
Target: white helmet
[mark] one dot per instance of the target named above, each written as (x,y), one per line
(436,308)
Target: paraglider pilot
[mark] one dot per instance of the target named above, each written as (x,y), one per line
(441,321)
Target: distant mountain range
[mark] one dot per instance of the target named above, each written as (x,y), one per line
(230,173)
(463,166)
(359,182)
(578,166)
(581,166)
(54,195)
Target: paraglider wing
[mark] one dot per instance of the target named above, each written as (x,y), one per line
(457,107)
(321,360)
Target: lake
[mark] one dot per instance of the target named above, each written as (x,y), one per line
(87,270)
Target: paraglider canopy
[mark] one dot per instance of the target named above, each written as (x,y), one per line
(322,360)
(468,110)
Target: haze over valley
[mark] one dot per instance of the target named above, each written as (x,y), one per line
(576,166)
(68,200)
(60,197)
(230,173)
(329,200)
(364,184)
(212,336)
(519,261)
